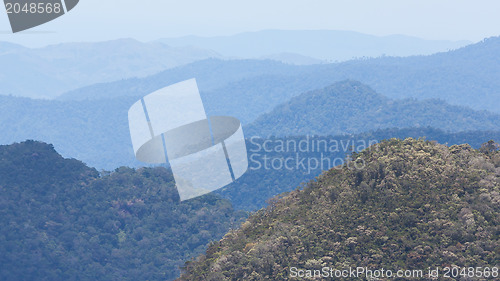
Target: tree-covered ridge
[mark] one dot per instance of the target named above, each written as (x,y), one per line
(350,107)
(260,183)
(416,204)
(37,164)
(60,220)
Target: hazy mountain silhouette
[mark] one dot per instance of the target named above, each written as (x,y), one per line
(328,45)
(49,71)
(467,76)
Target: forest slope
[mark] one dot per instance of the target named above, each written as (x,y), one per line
(60,220)
(415,204)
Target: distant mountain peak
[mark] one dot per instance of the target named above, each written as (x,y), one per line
(351,107)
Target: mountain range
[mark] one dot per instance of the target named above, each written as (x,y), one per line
(61,220)
(384,162)
(97,133)
(49,71)
(248,88)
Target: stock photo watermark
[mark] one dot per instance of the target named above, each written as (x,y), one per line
(26,14)
(307,154)
(205,153)
(450,272)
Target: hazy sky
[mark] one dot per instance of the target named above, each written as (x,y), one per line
(95,20)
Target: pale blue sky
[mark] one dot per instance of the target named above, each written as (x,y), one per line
(96,20)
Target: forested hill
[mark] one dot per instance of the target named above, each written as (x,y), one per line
(37,165)
(415,204)
(267,175)
(350,107)
(60,220)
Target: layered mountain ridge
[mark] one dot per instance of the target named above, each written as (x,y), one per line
(465,76)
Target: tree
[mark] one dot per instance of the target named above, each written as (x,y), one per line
(489,147)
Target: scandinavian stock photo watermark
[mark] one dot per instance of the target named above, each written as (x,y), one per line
(308,154)
(365,273)
(26,14)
